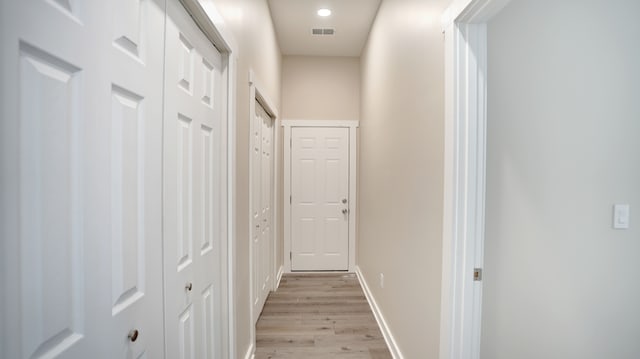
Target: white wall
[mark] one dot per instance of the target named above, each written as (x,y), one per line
(252,28)
(321,88)
(401,170)
(563,147)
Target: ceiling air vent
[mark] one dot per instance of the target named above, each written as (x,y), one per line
(322,32)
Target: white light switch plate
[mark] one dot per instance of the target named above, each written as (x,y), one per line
(621,216)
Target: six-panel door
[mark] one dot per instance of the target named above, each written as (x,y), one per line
(192,188)
(319,198)
(82,146)
(81,220)
(262,245)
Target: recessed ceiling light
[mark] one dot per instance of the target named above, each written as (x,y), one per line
(324,12)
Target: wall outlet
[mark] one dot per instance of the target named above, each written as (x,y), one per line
(381,280)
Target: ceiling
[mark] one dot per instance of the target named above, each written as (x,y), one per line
(351,19)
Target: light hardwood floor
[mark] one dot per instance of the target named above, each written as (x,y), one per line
(319,316)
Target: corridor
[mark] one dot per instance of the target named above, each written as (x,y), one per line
(463,172)
(319,316)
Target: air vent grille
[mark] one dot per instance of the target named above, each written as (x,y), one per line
(323,31)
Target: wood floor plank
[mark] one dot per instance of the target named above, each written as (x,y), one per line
(319,316)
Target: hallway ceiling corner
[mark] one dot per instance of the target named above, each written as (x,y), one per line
(351,20)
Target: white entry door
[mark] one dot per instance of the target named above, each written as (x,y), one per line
(192,191)
(262,208)
(80,189)
(319,198)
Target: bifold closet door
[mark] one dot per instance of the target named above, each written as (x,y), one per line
(262,245)
(81,178)
(192,190)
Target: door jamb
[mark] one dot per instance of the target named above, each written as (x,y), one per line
(352,125)
(212,24)
(464,25)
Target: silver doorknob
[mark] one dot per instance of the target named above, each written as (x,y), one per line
(345,211)
(133,335)
(188,287)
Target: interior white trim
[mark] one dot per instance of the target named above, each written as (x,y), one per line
(382,323)
(471,11)
(353,208)
(207,17)
(464,25)
(231,201)
(277,270)
(320,123)
(211,22)
(251,352)
(279,277)
(257,92)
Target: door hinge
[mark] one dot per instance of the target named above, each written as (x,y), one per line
(290,142)
(477,274)
(290,199)
(290,256)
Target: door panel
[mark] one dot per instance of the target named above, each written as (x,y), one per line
(319,194)
(50,227)
(81,169)
(184,186)
(208,193)
(127,166)
(192,190)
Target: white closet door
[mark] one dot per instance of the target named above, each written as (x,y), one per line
(266,194)
(136,59)
(262,207)
(81,94)
(192,202)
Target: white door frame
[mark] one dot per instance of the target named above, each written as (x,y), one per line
(464,24)
(257,92)
(207,17)
(352,125)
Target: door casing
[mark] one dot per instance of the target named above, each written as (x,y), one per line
(464,25)
(352,125)
(257,92)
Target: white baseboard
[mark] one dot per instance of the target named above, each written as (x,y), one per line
(386,332)
(251,352)
(279,276)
